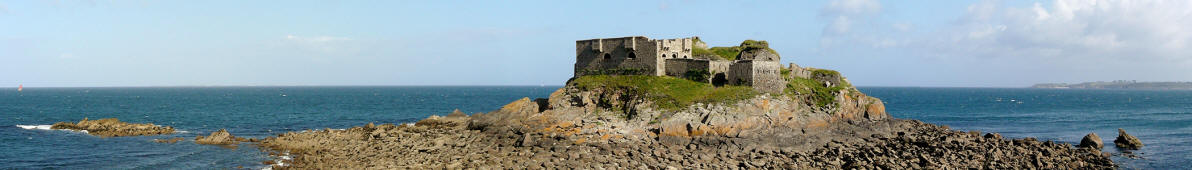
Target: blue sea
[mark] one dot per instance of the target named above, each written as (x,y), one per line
(1162,119)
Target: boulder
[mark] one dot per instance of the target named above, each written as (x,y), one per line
(457,114)
(1091,141)
(1127,141)
(993,135)
(221,137)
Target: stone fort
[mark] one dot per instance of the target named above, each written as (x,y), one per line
(639,55)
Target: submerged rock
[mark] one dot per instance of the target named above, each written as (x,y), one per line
(112,127)
(1091,140)
(221,137)
(171,140)
(1127,141)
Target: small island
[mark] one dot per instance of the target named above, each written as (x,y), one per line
(636,102)
(112,127)
(1119,84)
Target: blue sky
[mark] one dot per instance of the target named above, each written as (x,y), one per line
(874,43)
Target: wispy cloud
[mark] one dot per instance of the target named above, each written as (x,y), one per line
(844,13)
(3,9)
(326,44)
(1097,29)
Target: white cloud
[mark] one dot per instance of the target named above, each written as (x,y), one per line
(849,24)
(844,13)
(324,44)
(992,41)
(1105,29)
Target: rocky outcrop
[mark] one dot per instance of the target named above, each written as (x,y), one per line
(602,128)
(170,140)
(221,137)
(1091,141)
(1127,141)
(887,144)
(112,127)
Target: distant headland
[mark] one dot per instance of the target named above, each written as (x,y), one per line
(1119,84)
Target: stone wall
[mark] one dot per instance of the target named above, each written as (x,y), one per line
(799,72)
(675,48)
(764,76)
(618,56)
(767,76)
(639,55)
(740,73)
(719,66)
(679,67)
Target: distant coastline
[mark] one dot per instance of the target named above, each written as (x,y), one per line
(1119,84)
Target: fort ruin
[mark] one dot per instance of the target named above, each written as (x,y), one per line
(756,65)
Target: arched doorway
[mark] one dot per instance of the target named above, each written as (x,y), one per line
(719,80)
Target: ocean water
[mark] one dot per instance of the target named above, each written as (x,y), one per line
(243,111)
(1162,119)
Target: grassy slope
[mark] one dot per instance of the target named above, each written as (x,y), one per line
(731,53)
(667,93)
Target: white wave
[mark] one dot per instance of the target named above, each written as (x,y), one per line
(38,127)
(280,162)
(182,131)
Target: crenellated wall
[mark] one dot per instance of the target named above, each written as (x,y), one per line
(639,55)
(617,56)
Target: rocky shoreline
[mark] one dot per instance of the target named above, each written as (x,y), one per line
(582,129)
(887,144)
(610,127)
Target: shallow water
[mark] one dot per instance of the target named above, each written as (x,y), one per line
(1162,119)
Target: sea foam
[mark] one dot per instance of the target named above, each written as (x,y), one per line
(37,127)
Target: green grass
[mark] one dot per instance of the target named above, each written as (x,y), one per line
(813,90)
(731,53)
(728,53)
(816,91)
(825,72)
(668,93)
(755,44)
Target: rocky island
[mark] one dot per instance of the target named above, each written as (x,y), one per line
(112,127)
(637,102)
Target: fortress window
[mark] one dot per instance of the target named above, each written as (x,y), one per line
(663,55)
(608,56)
(632,55)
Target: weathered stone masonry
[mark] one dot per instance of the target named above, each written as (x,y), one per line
(639,55)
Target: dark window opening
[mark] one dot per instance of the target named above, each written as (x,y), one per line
(664,56)
(608,56)
(632,55)
(719,80)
